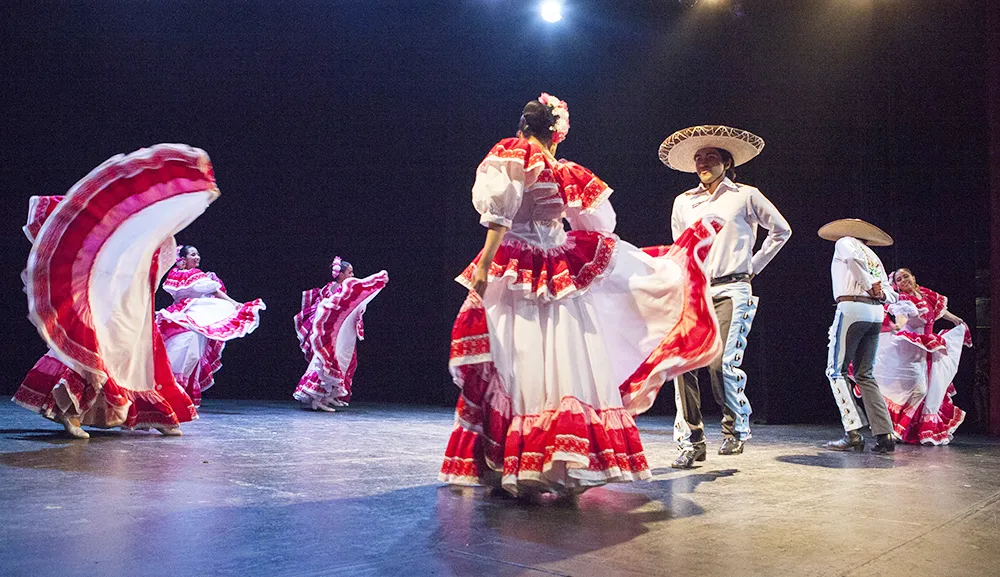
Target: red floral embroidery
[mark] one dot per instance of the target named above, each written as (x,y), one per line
(552,274)
(580,187)
(178,279)
(517,149)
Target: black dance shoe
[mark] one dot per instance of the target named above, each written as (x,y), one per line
(689,456)
(731,446)
(852,441)
(884,444)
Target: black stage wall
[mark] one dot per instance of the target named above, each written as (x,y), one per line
(993,290)
(354,128)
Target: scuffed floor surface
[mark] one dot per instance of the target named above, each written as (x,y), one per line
(267,489)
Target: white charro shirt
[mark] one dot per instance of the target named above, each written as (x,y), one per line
(856,268)
(743,208)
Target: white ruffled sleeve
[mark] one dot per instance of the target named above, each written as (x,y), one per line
(186,284)
(498,190)
(510,167)
(205,286)
(903,307)
(601,218)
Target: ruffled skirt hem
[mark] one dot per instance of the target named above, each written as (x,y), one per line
(55,391)
(912,425)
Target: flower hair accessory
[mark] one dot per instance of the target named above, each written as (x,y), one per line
(179,257)
(561,112)
(336,266)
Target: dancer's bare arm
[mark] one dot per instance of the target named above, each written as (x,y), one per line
(480,277)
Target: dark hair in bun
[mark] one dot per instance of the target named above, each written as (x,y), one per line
(537,120)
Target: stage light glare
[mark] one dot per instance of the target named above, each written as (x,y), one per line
(551,10)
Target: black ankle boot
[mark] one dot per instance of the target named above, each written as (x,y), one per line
(731,446)
(689,456)
(852,441)
(884,444)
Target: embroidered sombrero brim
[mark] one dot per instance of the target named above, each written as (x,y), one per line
(677,151)
(857,228)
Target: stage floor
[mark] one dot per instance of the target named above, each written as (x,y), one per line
(267,489)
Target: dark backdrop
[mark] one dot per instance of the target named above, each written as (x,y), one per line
(354,128)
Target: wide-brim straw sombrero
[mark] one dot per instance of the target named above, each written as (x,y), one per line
(857,228)
(677,151)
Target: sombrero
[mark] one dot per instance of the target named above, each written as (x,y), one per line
(857,228)
(677,151)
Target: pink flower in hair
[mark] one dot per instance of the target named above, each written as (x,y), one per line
(561,111)
(335,267)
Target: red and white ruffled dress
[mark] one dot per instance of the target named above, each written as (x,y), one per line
(329,327)
(96,259)
(196,327)
(575,335)
(914,368)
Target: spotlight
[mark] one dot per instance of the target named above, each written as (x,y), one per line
(693,3)
(551,10)
(734,7)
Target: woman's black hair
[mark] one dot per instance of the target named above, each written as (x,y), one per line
(182,252)
(537,120)
(343,266)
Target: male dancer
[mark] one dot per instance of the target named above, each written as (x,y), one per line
(860,287)
(712,152)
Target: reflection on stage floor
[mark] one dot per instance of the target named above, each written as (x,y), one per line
(265,488)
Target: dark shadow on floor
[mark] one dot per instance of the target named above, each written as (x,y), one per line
(424,530)
(32,431)
(835,460)
(54,437)
(211,411)
(531,534)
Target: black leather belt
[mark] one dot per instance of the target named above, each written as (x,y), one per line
(730,278)
(859,299)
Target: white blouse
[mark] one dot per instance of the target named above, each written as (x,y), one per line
(743,208)
(529,204)
(200,284)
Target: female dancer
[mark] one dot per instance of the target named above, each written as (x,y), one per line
(915,366)
(90,279)
(564,337)
(203,317)
(329,327)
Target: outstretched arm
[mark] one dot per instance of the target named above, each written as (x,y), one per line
(480,276)
(946,315)
(222,295)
